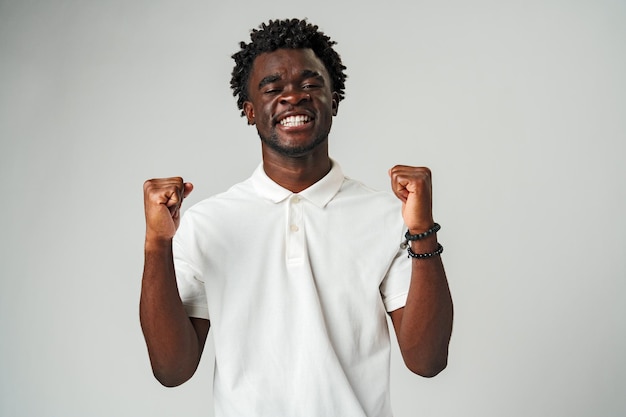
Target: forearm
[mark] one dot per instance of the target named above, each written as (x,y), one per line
(171,339)
(425,326)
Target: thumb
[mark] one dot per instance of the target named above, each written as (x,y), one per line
(188,188)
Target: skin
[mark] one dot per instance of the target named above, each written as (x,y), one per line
(295,157)
(424,325)
(284,83)
(175,342)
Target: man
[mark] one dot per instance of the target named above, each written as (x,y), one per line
(294,269)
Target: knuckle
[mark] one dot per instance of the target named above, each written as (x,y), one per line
(148,186)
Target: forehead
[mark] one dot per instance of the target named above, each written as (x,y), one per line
(285,62)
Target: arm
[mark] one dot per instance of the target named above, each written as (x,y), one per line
(175,342)
(424,325)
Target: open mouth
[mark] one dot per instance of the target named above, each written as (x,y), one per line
(295,120)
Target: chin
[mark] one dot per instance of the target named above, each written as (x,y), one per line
(295,150)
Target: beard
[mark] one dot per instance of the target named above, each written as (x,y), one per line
(295,151)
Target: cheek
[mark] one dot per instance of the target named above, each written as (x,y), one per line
(264,118)
(328,102)
(260,109)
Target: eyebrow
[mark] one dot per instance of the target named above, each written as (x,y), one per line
(277,77)
(269,79)
(311,74)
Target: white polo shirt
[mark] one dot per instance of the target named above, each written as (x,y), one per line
(297,287)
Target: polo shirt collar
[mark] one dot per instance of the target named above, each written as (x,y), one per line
(319,193)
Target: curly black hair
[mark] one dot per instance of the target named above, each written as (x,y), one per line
(288,34)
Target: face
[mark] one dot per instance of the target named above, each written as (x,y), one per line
(290,101)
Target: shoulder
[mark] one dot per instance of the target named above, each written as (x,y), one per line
(226,206)
(354,189)
(239,192)
(365,202)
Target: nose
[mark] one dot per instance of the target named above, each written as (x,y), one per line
(295,97)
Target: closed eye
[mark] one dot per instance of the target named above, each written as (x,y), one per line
(312,80)
(275,90)
(269,83)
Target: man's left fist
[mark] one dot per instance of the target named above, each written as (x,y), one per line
(413,186)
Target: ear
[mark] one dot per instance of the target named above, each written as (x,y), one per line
(335,102)
(248,110)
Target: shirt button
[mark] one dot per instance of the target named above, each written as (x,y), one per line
(294,228)
(295,199)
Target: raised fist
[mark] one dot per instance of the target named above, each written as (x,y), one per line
(163,198)
(413,186)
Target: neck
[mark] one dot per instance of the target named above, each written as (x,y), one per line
(296,173)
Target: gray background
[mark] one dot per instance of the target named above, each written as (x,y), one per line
(518,107)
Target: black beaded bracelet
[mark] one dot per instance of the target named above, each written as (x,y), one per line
(425,255)
(408,236)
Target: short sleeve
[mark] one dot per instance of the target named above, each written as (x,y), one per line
(188,277)
(395,286)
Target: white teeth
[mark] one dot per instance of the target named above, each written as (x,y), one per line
(298,120)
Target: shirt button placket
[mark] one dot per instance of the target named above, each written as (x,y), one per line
(295,232)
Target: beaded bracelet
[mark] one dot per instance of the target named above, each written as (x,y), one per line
(436,227)
(408,237)
(425,255)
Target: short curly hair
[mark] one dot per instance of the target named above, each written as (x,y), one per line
(287,34)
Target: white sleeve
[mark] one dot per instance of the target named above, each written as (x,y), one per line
(188,275)
(395,286)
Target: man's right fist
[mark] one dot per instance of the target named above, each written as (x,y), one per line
(162,200)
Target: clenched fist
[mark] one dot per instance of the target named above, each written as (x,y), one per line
(162,200)
(413,186)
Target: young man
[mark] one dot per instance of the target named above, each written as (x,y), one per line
(296,268)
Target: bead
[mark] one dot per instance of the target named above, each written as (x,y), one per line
(425,255)
(436,227)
